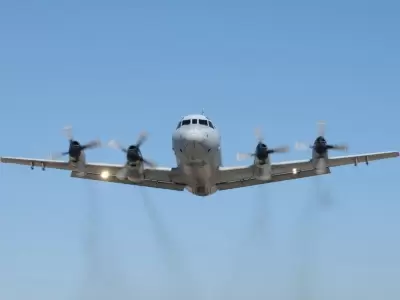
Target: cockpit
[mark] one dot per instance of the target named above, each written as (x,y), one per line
(195,121)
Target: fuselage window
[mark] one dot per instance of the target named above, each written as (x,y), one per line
(203,122)
(194,121)
(185,122)
(211,124)
(179,125)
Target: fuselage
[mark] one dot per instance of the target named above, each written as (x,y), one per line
(196,143)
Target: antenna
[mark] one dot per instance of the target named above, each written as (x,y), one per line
(202,111)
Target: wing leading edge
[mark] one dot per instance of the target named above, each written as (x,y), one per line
(236,177)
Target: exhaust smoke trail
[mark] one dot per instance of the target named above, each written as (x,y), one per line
(307,238)
(253,239)
(181,279)
(102,278)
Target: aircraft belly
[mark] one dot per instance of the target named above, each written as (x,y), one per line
(199,175)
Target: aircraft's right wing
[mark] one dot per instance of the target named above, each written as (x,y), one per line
(159,177)
(168,184)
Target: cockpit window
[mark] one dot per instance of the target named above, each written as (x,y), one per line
(203,122)
(195,121)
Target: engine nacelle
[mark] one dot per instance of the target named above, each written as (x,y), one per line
(81,158)
(135,172)
(262,170)
(75,151)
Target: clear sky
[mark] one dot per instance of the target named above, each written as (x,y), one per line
(112,69)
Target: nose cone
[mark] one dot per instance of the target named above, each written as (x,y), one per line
(195,148)
(194,135)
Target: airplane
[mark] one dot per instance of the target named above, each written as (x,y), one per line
(196,143)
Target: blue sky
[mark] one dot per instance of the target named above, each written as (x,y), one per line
(113,69)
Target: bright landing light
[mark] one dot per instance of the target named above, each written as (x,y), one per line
(105,174)
(294,171)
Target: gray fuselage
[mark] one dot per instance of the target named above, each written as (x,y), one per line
(196,143)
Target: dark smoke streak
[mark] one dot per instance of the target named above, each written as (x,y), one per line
(308,237)
(102,279)
(255,236)
(174,259)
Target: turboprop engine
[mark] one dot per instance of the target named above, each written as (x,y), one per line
(76,150)
(261,157)
(320,149)
(134,166)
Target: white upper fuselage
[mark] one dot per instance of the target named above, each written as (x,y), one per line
(196,143)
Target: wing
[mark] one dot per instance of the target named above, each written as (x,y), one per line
(167,178)
(162,178)
(56,164)
(337,161)
(169,185)
(235,177)
(275,178)
(53,164)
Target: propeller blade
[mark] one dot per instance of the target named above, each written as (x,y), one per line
(339,147)
(280,150)
(68,132)
(243,156)
(58,155)
(259,135)
(122,174)
(92,144)
(321,128)
(142,138)
(149,163)
(302,146)
(114,144)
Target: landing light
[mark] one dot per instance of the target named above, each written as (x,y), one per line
(105,174)
(294,171)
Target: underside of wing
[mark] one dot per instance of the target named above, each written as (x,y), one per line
(147,182)
(165,178)
(41,163)
(360,158)
(159,177)
(304,165)
(251,181)
(58,164)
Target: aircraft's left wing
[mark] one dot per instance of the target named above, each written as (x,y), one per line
(235,177)
(275,178)
(337,161)
(158,177)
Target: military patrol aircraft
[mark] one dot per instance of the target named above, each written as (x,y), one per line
(196,143)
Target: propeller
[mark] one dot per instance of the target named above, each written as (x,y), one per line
(262,151)
(321,146)
(133,153)
(75,148)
